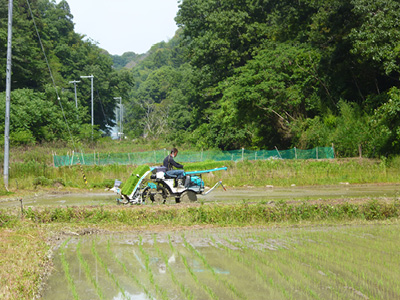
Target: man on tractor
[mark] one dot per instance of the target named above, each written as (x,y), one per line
(169,163)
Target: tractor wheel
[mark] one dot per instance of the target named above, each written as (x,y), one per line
(188,196)
(160,195)
(146,194)
(158,198)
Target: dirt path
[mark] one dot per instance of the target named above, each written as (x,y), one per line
(333,193)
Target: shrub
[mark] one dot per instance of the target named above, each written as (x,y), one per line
(42,181)
(22,137)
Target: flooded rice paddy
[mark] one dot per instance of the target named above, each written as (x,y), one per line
(338,262)
(343,262)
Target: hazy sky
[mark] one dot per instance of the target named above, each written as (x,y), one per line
(125,25)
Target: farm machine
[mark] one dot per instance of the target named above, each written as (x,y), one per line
(156,186)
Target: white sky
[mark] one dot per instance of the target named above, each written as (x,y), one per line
(120,26)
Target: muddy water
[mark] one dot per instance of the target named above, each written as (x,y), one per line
(232,195)
(154,266)
(303,193)
(218,263)
(68,199)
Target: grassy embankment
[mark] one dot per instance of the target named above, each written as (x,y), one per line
(31,169)
(35,175)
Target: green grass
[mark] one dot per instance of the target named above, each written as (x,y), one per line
(34,176)
(221,215)
(31,168)
(24,260)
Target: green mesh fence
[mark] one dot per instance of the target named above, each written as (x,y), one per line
(157,157)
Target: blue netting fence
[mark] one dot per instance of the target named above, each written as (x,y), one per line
(157,157)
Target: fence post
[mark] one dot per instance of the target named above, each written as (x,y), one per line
(316,150)
(201,159)
(94,157)
(333,149)
(242,154)
(295,153)
(278,152)
(129,157)
(360,150)
(256,155)
(72,160)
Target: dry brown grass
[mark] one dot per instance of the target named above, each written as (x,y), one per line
(23,261)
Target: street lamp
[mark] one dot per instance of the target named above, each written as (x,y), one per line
(120,116)
(8,97)
(76,99)
(91,78)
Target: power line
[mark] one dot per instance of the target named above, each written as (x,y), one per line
(54,83)
(51,74)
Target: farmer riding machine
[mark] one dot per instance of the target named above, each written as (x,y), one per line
(155,185)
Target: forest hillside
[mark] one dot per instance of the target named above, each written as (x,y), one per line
(242,73)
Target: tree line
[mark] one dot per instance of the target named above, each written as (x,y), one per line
(240,73)
(265,73)
(35,111)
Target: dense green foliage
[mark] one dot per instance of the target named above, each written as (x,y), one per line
(241,73)
(271,73)
(36,113)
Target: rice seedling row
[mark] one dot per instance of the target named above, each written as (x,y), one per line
(281,265)
(206,288)
(88,271)
(229,285)
(305,276)
(344,268)
(107,271)
(185,291)
(373,267)
(376,272)
(191,272)
(283,288)
(241,263)
(311,259)
(371,270)
(129,272)
(67,273)
(160,291)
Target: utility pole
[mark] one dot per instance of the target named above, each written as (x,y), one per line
(120,116)
(8,96)
(91,78)
(76,99)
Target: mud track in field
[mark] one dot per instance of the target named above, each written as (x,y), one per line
(334,194)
